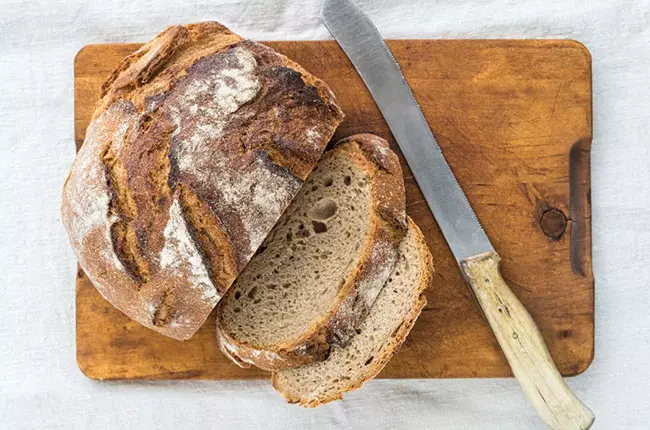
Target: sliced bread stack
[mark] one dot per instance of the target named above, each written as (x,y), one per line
(378,337)
(320,269)
(337,285)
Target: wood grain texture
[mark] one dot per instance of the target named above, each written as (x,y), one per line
(514,121)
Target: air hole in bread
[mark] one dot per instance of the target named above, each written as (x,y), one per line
(368,361)
(252,292)
(237,295)
(324,209)
(347,180)
(329,182)
(319,227)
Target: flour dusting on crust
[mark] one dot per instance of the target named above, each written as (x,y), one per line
(180,254)
(250,186)
(264,193)
(314,138)
(229,88)
(87,191)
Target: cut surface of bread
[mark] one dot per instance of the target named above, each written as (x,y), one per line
(323,264)
(378,337)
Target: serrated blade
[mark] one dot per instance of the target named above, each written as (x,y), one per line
(365,47)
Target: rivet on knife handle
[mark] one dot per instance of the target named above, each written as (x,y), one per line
(523,346)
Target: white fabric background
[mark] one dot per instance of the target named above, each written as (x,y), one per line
(40,385)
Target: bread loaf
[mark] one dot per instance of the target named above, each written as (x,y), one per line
(322,266)
(197,145)
(377,339)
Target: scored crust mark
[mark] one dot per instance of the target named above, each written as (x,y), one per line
(122,203)
(123,209)
(213,242)
(146,160)
(180,254)
(164,313)
(146,61)
(125,245)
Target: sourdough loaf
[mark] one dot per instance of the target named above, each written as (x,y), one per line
(322,266)
(197,145)
(377,339)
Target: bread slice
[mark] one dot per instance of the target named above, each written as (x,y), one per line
(322,266)
(379,336)
(199,142)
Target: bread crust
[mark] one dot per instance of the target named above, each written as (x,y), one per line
(419,301)
(361,287)
(198,143)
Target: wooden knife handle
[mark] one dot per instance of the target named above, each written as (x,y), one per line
(524,347)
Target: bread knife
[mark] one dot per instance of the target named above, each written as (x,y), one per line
(515,330)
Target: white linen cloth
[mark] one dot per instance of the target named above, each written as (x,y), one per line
(40,385)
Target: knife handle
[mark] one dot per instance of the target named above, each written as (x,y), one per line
(524,347)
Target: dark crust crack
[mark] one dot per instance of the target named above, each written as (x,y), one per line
(138,68)
(123,208)
(210,237)
(165,310)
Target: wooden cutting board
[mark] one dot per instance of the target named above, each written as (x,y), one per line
(514,121)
